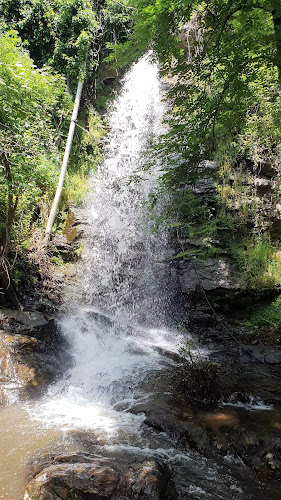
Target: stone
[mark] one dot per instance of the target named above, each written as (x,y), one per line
(206,185)
(167,413)
(27,318)
(12,367)
(85,476)
(208,165)
(263,353)
(28,362)
(211,274)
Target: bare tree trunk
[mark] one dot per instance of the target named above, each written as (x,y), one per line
(64,163)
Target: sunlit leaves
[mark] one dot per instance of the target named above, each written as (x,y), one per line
(33,109)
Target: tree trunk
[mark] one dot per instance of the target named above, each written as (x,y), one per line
(11,210)
(64,163)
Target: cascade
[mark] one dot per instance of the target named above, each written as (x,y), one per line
(119,318)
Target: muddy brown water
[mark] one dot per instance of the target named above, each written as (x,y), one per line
(22,440)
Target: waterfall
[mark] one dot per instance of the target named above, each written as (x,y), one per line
(118,321)
(119,330)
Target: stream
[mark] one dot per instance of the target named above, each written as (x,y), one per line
(119,324)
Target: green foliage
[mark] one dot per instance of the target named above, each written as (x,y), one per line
(33,109)
(222,62)
(259,263)
(57,33)
(57,260)
(266,315)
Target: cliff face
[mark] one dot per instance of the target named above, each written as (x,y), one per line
(230,249)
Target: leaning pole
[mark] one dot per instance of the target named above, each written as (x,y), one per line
(64,163)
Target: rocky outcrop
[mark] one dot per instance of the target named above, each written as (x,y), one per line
(250,195)
(85,476)
(27,318)
(240,425)
(13,350)
(210,274)
(29,356)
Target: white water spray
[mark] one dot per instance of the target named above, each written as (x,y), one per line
(117,325)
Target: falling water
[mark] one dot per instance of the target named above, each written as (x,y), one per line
(120,319)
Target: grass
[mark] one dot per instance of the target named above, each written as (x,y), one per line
(77,188)
(266,315)
(259,262)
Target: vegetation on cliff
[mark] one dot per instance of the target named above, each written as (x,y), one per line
(222,60)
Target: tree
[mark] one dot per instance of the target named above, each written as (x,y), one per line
(33,107)
(225,58)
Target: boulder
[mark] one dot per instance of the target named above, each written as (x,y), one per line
(12,367)
(169,413)
(27,362)
(27,318)
(84,476)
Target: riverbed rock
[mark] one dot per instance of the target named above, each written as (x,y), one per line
(166,412)
(259,449)
(85,476)
(30,359)
(13,349)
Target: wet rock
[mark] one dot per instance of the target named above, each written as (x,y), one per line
(27,318)
(259,449)
(202,316)
(27,362)
(85,476)
(211,274)
(166,413)
(273,358)
(262,353)
(13,348)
